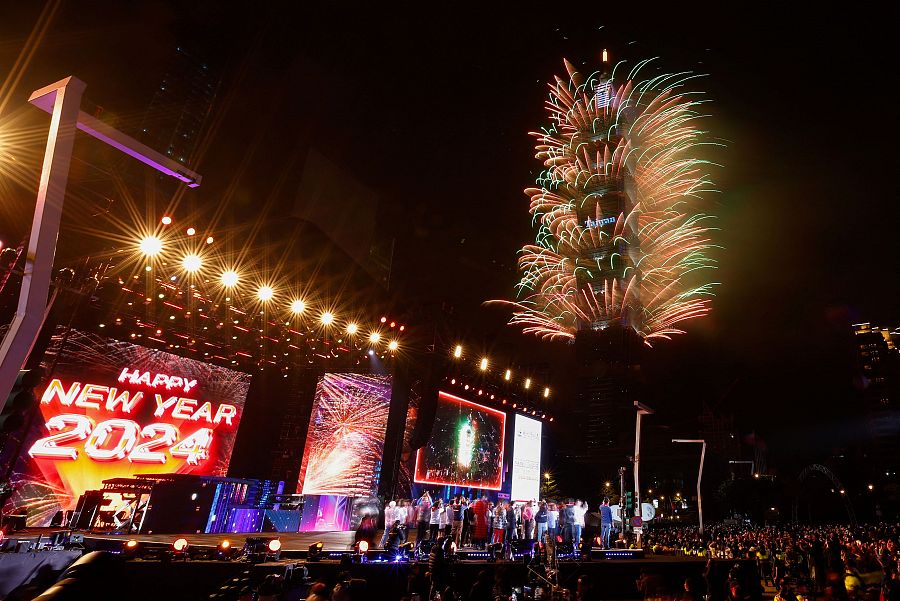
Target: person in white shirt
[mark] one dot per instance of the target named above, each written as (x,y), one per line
(390,514)
(580,508)
(435,523)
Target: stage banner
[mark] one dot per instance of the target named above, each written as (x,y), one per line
(465,447)
(345,442)
(111,409)
(526,471)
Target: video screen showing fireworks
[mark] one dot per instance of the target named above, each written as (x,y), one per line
(466,446)
(111,409)
(345,444)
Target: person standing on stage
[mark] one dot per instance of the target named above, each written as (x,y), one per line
(446,520)
(553,520)
(540,519)
(511,525)
(423,514)
(435,522)
(606,520)
(480,526)
(579,509)
(458,509)
(390,514)
(569,514)
(499,523)
(528,521)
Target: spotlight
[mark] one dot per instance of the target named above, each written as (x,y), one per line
(457,352)
(484,363)
(166,220)
(192,263)
(352,328)
(180,547)
(507,375)
(132,543)
(150,246)
(229,278)
(209,240)
(362,547)
(191,231)
(315,551)
(131,548)
(298,307)
(327,318)
(374,337)
(265,293)
(224,549)
(393,345)
(527,383)
(274,545)
(546,392)
(259,548)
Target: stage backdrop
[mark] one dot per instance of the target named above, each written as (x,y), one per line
(112,409)
(526,471)
(345,443)
(466,446)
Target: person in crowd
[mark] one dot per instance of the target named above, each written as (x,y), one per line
(499,523)
(394,537)
(458,510)
(586,589)
(540,520)
(606,522)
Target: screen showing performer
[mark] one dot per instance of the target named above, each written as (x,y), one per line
(466,445)
(111,409)
(345,443)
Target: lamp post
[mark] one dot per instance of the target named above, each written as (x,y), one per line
(642,410)
(699,475)
(63,101)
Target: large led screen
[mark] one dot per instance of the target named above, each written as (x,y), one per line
(111,409)
(526,469)
(345,443)
(466,446)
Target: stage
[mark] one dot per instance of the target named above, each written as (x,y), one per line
(191,579)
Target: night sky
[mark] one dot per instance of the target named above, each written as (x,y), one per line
(432,112)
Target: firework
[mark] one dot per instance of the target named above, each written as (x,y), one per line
(346,435)
(620,239)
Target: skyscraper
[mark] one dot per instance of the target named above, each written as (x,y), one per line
(878,380)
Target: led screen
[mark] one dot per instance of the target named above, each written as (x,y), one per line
(526,469)
(111,409)
(345,443)
(466,446)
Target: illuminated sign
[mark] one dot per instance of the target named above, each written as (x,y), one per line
(599,222)
(112,409)
(465,447)
(526,469)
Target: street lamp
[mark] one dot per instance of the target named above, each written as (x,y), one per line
(642,410)
(699,475)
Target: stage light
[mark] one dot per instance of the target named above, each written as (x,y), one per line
(315,551)
(484,364)
(393,345)
(180,545)
(166,220)
(527,383)
(871,487)
(265,293)
(327,318)
(274,545)
(362,547)
(229,278)
(383,319)
(546,392)
(192,263)
(604,56)
(374,337)
(191,231)
(507,375)
(209,240)
(150,246)
(352,328)
(298,307)
(457,352)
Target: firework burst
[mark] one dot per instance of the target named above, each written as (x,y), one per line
(620,238)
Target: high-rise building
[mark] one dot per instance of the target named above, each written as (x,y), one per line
(878,380)
(180,106)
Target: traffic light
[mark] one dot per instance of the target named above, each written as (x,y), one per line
(21,399)
(629,502)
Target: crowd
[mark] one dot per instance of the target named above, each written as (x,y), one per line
(840,562)
(478,522)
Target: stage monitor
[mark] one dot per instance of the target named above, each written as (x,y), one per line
(345,443)
(526,470)
(465,447)
(111,409)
